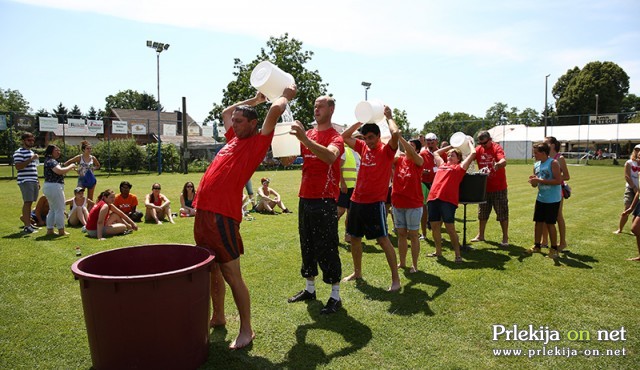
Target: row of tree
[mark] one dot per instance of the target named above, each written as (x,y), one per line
(574,93)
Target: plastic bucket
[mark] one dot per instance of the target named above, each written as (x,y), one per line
(370,111)
(146,307)
(461,141)
(270,80)
(473,187)
(283,143)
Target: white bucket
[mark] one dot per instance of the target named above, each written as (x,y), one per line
(370,111)
(270,80)
(284,144)
(463,142)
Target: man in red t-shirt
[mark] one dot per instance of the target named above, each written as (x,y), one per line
(321,148)
(219,203)
(367,213)
(491,156)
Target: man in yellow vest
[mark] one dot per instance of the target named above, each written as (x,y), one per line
(349,166)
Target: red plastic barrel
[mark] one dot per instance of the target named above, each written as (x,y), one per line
(146,307)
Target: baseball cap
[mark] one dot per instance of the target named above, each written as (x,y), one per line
(430,136)
(637,146)
(78,190)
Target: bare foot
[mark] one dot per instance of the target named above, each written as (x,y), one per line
(413,269)
(159,222)
(636,259)
(476,239)
(352,277)
(395,286)
(63,233)
(401,266)
(172,221)
(242,341)
(617,231)
(50,232)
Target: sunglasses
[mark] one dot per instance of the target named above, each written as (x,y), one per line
(189,186)
(156,188)
(483,142)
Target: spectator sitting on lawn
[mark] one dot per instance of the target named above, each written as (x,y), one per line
(39,214)
(128,202)
(265,202)
(186,200)
(80,206)
(158,206)
(107,219)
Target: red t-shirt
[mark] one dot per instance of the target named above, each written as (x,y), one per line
(446,185)
(497,179)
(127,204)
(220,189)
(429,167)
(92,220)
(375,172)
(407,189)
(319,180)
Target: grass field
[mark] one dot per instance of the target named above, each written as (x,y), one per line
(442,318)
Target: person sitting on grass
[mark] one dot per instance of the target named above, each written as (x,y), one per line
(107,219)
(443,197)
(265,202)
(158,206)
(186,200)
(80,206)
(39,214)
(635,226)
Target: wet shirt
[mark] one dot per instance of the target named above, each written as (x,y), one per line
(487,158)
(407,187)
(375,172)
(319,180)
(220,189)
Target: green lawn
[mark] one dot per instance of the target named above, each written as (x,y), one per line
(442,318)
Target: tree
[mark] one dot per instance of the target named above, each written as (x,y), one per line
(75,112)
(578,97)
(630,106)
(530,117)
(13,101)
(446,124)
(131,99)
(288,55)
(61,112)
(400,116)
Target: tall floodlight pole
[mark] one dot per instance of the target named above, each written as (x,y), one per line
(546,106)
(366,85)
(159,47)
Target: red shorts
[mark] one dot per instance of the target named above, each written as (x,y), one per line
(219,234)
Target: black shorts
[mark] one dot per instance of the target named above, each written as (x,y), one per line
(344,200)
(546,212)
(367,219)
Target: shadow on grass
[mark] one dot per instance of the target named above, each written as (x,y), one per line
(367,247)
(410,300)
(302,355)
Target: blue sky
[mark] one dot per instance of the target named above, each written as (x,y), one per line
(425,57)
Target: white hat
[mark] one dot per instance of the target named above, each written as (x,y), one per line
(637,146)
(431,136)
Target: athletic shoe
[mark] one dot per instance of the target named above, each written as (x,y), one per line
(332,306)
(302,295)
(29,230)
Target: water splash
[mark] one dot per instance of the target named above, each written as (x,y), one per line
(287,115)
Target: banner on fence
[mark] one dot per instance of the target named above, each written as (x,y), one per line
(169,130)
(48,123)
(95,126)
(138,129)
(3,122)
(76,126)
(25,123)
(603,119)
(119,127)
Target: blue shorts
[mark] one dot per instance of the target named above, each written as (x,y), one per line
(367,219)
(407,218)
(441,211)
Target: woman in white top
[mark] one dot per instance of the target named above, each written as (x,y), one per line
(86,163)
(265,202)
(80,206)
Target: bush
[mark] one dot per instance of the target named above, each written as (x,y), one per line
(67,151)
(199,165)
(170,157)
(120,154)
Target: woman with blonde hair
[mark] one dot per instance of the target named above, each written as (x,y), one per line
(158,206)
(87,163)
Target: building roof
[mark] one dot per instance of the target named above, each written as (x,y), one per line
(599,133)
(148,116)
